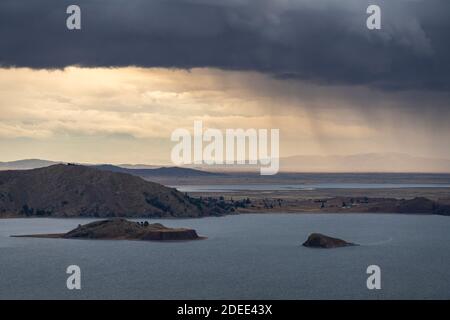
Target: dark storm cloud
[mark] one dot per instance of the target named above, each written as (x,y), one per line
(323,41)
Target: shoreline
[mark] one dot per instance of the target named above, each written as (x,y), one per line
(234,214)
(290,203)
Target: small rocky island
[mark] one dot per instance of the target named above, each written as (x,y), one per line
(317,240)
(122,229)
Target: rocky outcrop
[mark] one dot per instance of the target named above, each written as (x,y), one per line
(317,240)
(121,229)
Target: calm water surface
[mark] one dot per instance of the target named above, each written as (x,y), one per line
(311,186)
(245,257)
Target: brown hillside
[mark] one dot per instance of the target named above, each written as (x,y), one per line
(73,190)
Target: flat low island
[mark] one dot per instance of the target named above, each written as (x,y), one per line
(122,229)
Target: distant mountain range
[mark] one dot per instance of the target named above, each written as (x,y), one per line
(158,172)
(369,162)
(137,170)
(357,163)
(27,164)
(74,190)
(138,166)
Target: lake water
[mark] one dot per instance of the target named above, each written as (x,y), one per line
(292,187)
(254,256)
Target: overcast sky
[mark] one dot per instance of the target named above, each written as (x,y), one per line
(145,68)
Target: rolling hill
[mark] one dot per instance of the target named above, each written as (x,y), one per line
(74,190)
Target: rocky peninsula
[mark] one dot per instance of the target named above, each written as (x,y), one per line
(122,229)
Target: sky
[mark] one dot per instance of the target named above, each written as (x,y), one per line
(116,89)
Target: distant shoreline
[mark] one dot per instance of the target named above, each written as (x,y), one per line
(293,205)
